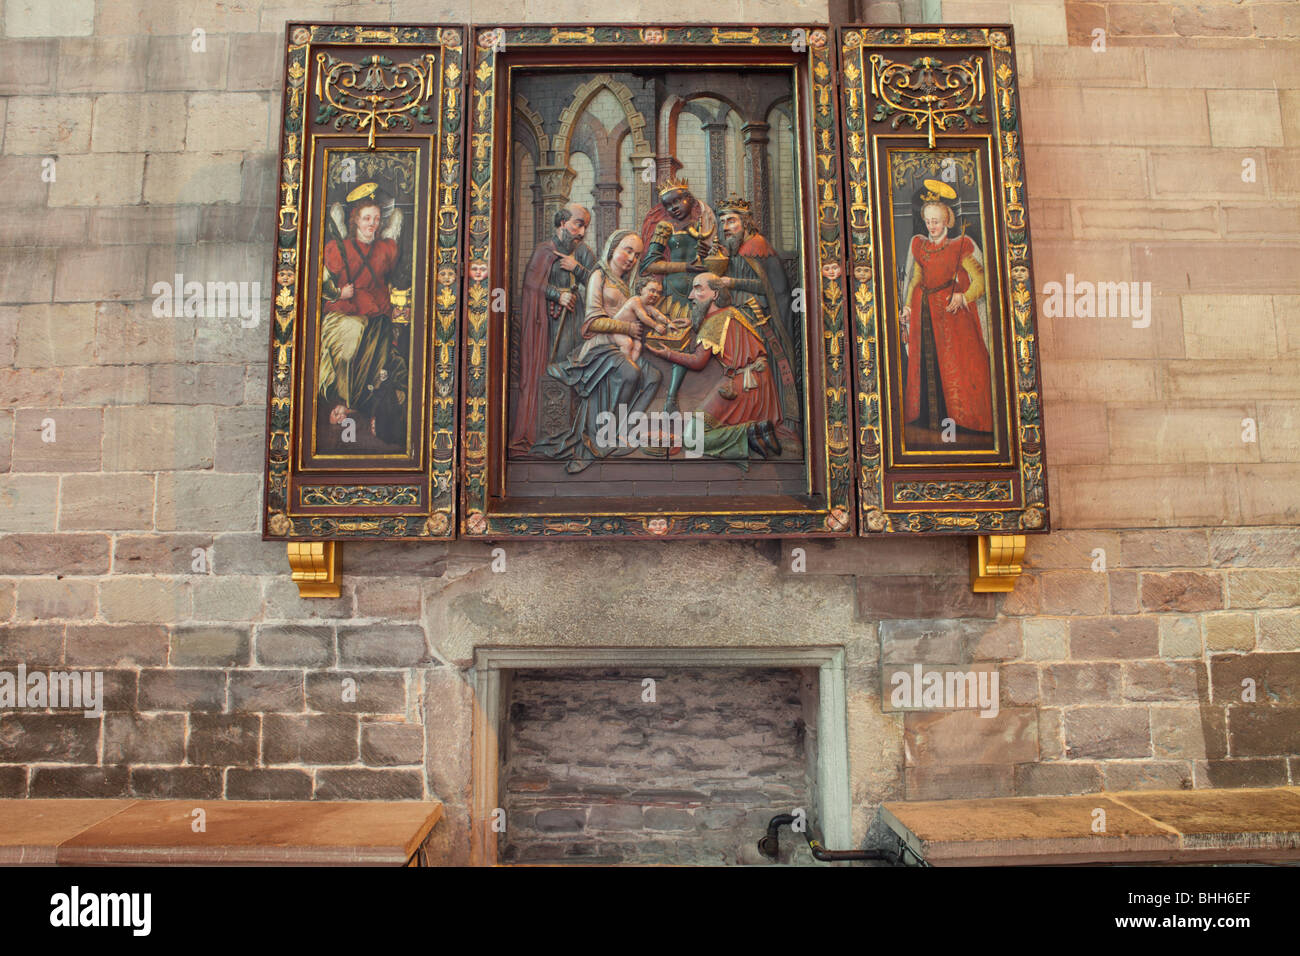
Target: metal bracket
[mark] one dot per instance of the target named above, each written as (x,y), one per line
(995,562)
(314,567)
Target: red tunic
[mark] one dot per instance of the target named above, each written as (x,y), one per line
(366,270)
(740,346)
(960,351)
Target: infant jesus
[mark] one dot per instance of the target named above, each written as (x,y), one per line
(641,309)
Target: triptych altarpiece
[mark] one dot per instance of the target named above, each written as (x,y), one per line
(652,281)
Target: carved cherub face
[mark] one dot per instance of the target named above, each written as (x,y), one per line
(446,276)
(652,293)
(478,271)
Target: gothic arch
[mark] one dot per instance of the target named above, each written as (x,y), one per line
(584,95)
(532,120)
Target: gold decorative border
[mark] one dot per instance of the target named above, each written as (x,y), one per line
(875,514)
(279,519)
(486,83)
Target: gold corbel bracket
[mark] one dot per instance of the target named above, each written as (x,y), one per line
(315,568)
(995,562)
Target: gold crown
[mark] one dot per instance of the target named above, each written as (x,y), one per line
(672,184)
(734,203)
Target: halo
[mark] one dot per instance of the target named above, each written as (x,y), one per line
(364,191)
(940,189)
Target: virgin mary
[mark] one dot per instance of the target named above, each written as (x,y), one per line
(602,377)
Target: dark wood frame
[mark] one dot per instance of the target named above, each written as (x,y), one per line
(1005,494)
(366,498)
(828,510)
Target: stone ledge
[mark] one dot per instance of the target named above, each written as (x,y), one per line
(159,832)
(1145,826)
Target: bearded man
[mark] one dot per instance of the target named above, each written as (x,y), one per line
(678,234)
(741,417)
(555,285)
(754,272)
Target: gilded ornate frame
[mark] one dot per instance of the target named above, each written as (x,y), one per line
(994,500)
(828,511)
(360,501)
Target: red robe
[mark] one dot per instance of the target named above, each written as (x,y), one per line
(534,345)
(960,352)
(727,334)
(366,270)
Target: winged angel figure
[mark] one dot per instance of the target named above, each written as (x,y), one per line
(363,373)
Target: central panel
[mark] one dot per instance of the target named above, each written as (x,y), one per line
(624,287)
(655,313)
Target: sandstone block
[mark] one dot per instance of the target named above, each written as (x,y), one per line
(98,179)
(369,785)
(1244,118)
(295,644)
(226,121)
(256,691)
(176,783)
(214,646)
(223,739)
(1264,588)
(144,738)
(47,126)
(103,64)
(389,744)
(57,439)
(1226,632)
(183,690)
(1182,591)
(1101,638)
(117,645)
(140,123)
(192,178)
(106,502)
(43,599)
(146,601)
(1107,732)
(28,502)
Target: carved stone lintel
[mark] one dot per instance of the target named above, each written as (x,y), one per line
(315,568)
(995,562)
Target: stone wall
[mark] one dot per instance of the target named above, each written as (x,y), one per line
(602,768)
(130,542)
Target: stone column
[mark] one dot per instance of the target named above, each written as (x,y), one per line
(717,131)
(645,197)
(556,183)
(760,175)
(605,215)
(539,221)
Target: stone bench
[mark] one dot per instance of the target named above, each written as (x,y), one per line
(1142,826)
(165,832)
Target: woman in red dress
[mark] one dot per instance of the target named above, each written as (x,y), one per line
(943,325)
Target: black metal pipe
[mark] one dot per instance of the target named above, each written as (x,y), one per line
(770,845)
